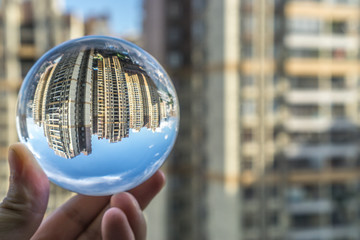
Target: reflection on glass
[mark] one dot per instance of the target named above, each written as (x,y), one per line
(99,113)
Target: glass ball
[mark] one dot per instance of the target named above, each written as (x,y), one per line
(99,114)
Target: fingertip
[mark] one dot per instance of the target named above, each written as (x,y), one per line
(26,172)
(24,157)
(113,216)
(19,148)
(26,200)
(156,182)
(161,178)
(146,191)
(129,205)
(124,200)
(116,224)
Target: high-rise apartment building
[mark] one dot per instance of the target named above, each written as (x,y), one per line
(320,126)
(89,91)
(268,91)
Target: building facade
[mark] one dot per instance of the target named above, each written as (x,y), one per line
(268,91)
(93,91)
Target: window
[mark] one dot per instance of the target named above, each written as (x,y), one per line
(338,82)
(247,135)
(305,221)
(247,80)
(175,59)
(339,54)
(342,1)
(311,191)
(337,162)
(339,27)
(341,136)
(247,50)
(300,164)
(174,9)
(303,25)
(248,107)
(304,110)
(248,23)
(26,65)
(247,163)
(338,111)
(250,220)
(249,192)
(304,82)
(198,30)
(339,218)
(198,5)
(307,138)
(304,53)
(174,34)
(273,191)
(27,34)
(273,218)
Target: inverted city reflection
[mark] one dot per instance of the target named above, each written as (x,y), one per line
(99,114)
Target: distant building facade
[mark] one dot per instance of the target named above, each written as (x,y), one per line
(268,145)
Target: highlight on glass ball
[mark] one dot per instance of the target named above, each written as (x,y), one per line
(99,114)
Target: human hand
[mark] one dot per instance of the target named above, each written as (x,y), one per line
(82,217)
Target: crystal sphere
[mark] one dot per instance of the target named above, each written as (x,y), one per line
(99,114)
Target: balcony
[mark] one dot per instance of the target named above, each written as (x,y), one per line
(324,177)
(322,41)
(324,66)
(257,67)
(324,233)
(322,151)
(321,10)
(321,97)
(315,124)
(310,207)
(27,51)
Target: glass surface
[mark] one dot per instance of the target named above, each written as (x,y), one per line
(99,114)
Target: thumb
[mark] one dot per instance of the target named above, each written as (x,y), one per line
(22,211)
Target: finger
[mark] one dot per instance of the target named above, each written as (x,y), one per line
(22,211)
(145,192)
(129,205)
(75,216)
(93,230)
(115,225)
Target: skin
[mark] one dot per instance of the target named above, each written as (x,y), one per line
(119,216)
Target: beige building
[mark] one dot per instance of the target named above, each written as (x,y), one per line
(268,145)
(126,98)
(91,91)
(65,105)
(114,110)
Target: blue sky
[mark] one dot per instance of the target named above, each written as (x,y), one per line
(125,15)
(111,167)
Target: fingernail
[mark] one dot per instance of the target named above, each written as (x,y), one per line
(15,166)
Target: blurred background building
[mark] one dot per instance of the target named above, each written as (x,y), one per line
(268,143)
(269,96)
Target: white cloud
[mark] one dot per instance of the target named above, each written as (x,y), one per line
(84,182)
(171,123)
